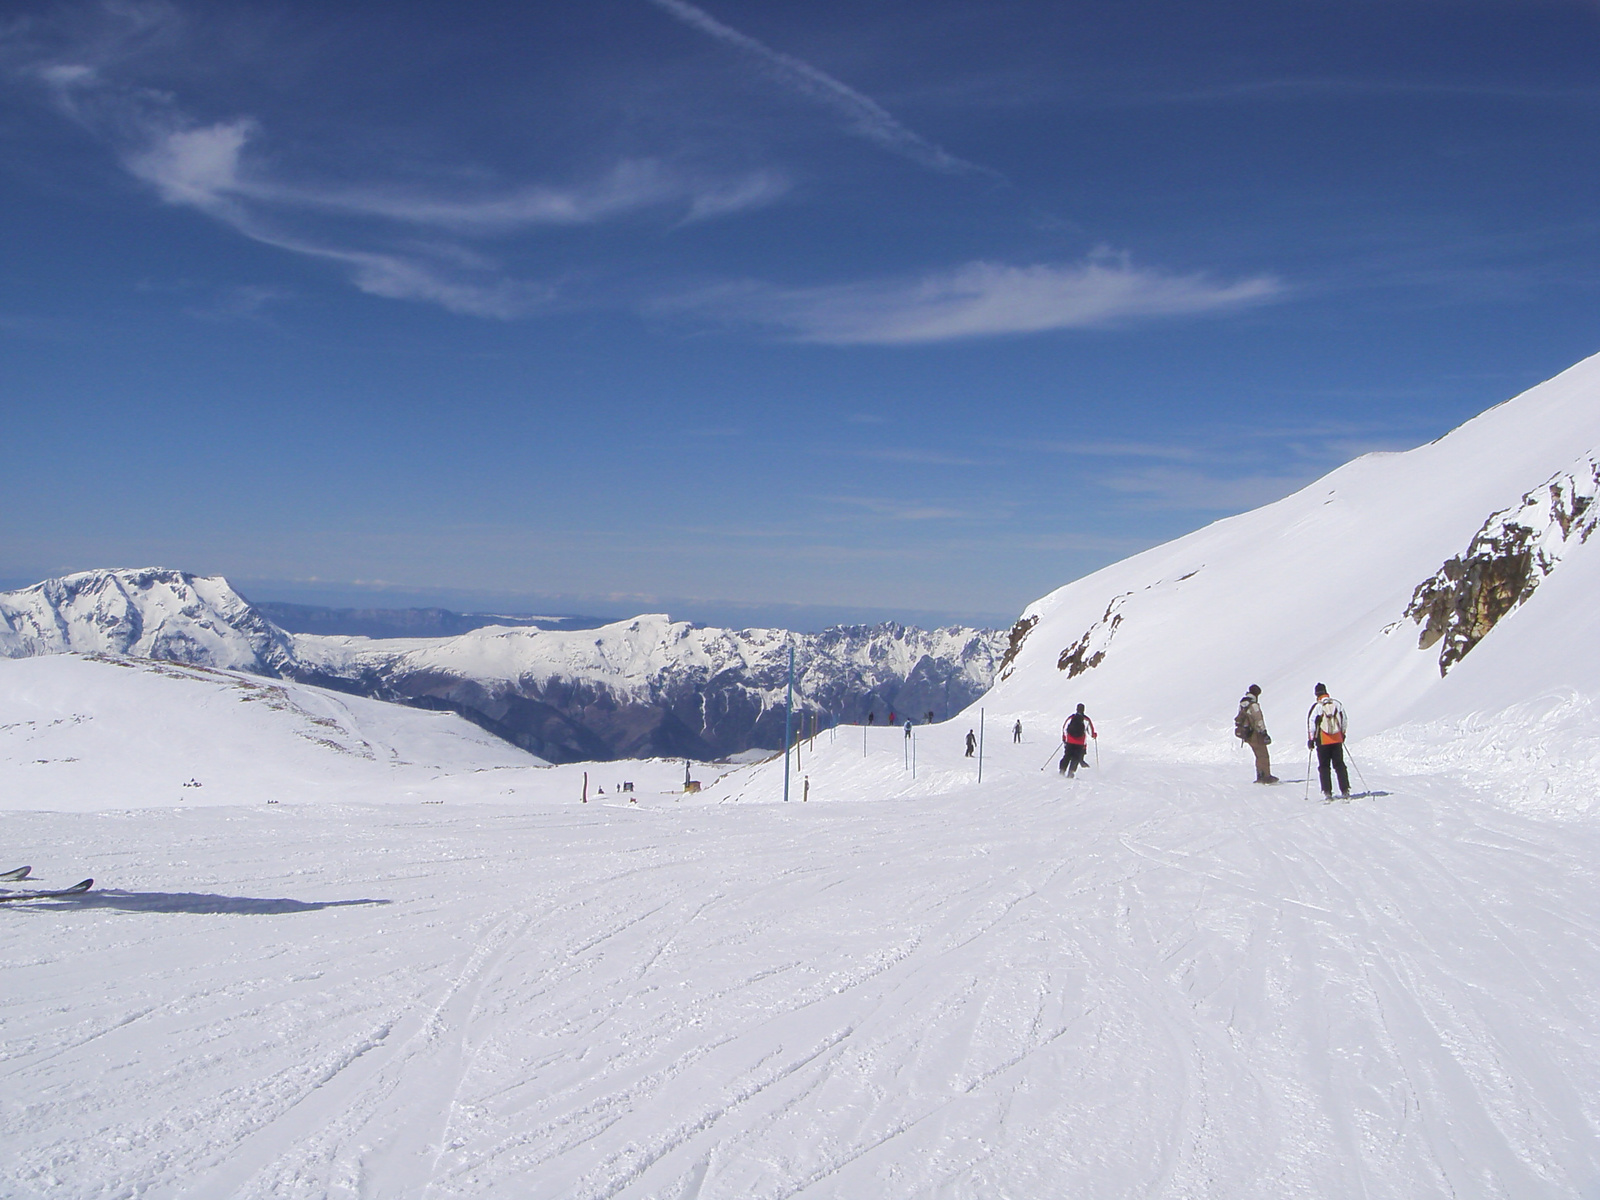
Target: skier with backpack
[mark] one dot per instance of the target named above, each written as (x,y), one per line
(1075,735)
(1326,725)
(1250,727)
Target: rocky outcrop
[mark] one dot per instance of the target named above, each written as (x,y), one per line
(1504,563)
(1019,634)
(1089,651)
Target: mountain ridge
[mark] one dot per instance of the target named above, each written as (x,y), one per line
(1417,585)
(642,687)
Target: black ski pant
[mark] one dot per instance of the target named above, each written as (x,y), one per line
(1072,757)
(1331,754)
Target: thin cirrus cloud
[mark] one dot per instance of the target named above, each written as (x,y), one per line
(897,510)
(203,167)
(979,299)
(1171,488)
(210,168)
(922,458)
(864,117)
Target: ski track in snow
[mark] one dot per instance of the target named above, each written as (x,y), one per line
(1157,981)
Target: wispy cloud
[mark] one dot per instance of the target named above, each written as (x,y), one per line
(980,299)
(1094,449)
(246,302)
(1274,89)
(864,116)
(898,510)
(927,458)
(216,168)
(1169,488)
(201,166)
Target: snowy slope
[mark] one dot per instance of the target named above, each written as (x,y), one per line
(1317,588)
(89,734)
(1157,981)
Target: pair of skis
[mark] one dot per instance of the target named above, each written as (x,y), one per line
(22,873)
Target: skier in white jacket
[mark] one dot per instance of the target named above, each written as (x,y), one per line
(1325,729)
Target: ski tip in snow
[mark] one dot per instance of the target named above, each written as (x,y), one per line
(19,874)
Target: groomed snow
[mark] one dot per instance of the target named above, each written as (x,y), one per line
(429,970)
(1156,980)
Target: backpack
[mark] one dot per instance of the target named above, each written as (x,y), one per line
(1241,723)
(1330,717)
(1075,725)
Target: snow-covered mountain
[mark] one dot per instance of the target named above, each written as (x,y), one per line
(1451,586)
(148,613)
(654,686)
(637,688)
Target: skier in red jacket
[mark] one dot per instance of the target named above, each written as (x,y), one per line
(1075,736)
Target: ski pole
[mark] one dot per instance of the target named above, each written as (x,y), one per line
(1359,775)
(1308,773)
(1096,753)
(1049,760)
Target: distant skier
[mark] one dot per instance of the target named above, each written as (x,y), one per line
(1016,732)
(1325,728)
(891,716)
(1250,727)
(928,720)
(908,728)
(1075,735)
(872,717)
(972,742)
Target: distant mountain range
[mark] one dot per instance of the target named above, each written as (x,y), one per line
(402,622)
(644,687)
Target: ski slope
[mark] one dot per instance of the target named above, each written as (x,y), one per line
(1316,588)
(386,957)
(1157,980)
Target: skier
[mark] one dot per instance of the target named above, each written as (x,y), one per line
(972,742)
(1074,744)
(872,717)
(1016,731)
(1325,729)
(1250,727)
(908,728)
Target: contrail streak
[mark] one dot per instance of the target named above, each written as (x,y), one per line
(867,118)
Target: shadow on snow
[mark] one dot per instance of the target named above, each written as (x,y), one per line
(198,902)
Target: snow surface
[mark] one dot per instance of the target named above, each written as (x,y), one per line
(439,974)
(1315,587)
(86,734)
(1157,980)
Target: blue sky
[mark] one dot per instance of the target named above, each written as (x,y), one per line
(778,311)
